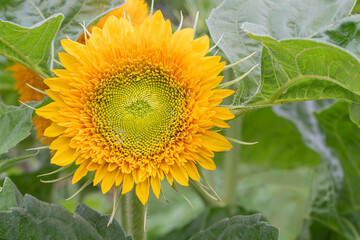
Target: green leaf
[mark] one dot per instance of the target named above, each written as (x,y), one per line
(28,12)
(274,135)
(343,204)
(285,19)
(301,70)
(98,222)
(354,111)
(30,46)
(334,210)
(239,227)
(16,124)
(12,195)
(203,221)
(345,33)
(35,219)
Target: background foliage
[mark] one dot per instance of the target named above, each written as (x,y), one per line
(304,174)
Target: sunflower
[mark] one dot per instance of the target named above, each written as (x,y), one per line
(136,105)
(136,10)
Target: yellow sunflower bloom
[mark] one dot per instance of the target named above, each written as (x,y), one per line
(135,105)
(136,10)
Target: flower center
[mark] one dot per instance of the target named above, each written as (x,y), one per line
(139,109)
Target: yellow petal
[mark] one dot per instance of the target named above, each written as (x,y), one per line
(142,191)
(54,130)
(93,166)
(205,162)
(64,157)
(57,84)
(128,183)
(68,61)
(118,177)
(80,173)
(48,111)
(192,171)
(221,93)
(169,177)
(100,173)
(179,174)
(215,141)
(72,47)
(223,113)
(156,186)
(108,181)
(60,142)
(219,123)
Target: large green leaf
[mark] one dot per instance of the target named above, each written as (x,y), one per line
(29,218)
(299,70)
(334,210)
(280,144)
(29,12)
(283,19)
(207,218)
(30,46)
(16,124)
(239,227)
(346,34)
(344,138)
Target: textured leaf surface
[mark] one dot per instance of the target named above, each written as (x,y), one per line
(239,227)
(29,218)
(300,70)
(345,33)
(29,12)
(334,210)
(203,221)
(30,46)
(281,18)
(12,195)
(16,124)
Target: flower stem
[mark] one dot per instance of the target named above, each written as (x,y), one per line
(133,215)
(231,164)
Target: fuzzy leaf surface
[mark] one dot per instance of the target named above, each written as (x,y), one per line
(29,12)
(300,70)
(29,218)
(16,124)
(282,19)
(30,46)
(239,227)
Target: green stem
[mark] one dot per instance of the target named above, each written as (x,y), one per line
(231,160)
(133,215)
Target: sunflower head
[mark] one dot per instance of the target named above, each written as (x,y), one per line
(136,104)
